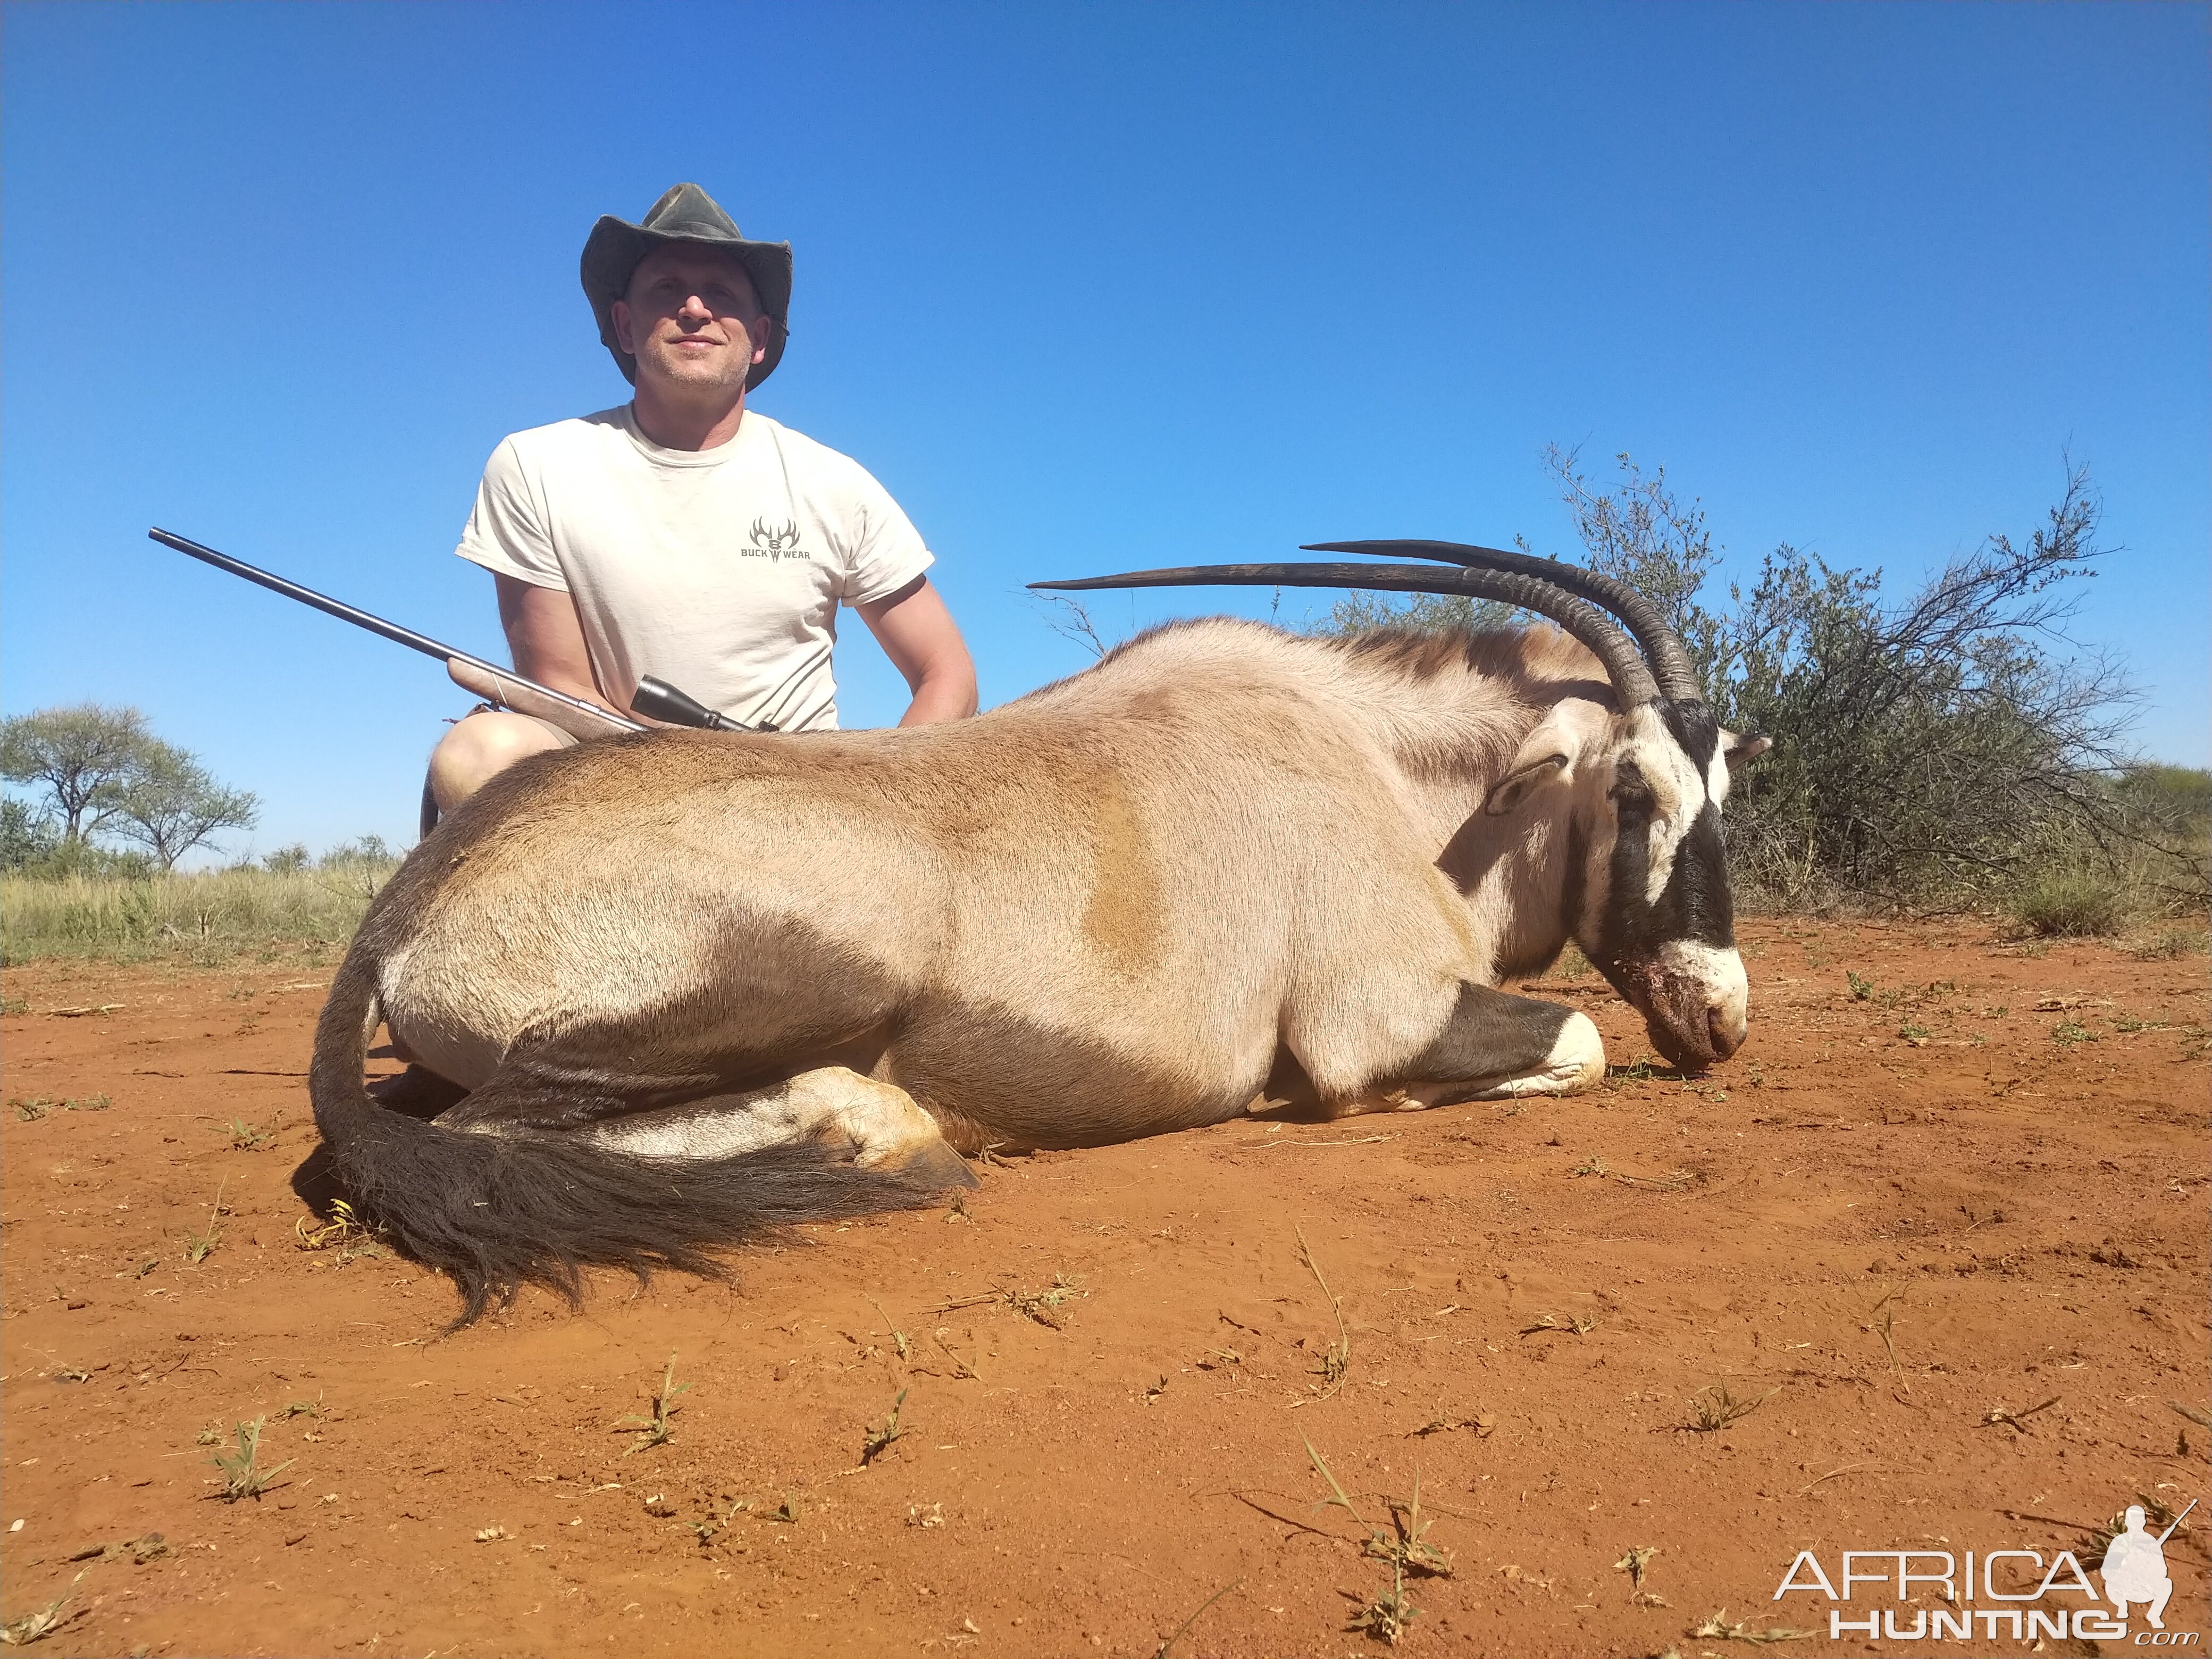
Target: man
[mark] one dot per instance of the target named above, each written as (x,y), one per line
(683,536)
(2135,1570)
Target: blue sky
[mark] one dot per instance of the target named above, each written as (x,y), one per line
(1089,287)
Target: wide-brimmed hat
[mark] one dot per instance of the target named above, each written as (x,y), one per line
(685,213)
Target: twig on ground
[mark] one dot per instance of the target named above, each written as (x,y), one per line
(2015,1420)
(1718,1629)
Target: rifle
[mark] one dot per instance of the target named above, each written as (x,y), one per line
(2178,1520)
(654,699)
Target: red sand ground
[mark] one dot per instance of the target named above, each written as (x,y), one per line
(1995,1162)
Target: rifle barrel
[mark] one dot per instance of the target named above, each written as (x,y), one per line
(2178,1520)
(374,624)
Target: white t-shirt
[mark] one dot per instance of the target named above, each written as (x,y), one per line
(718,571)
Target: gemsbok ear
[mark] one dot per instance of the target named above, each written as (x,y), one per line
(1739,751)
(1522,781)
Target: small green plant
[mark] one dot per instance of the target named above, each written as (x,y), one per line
(1913,1032)
(1715,1408)
(2066,1033)
(1860,989)
(31,1110)
(242,1474)
(199,1246)
(1642,1069)
(1404,1545)
(246,1137)
(880,1437)
(657,1430)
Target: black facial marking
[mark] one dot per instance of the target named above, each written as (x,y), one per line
(1695,904)
(1692,724)
(1622,927)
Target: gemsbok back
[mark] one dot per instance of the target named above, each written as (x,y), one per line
(699,985)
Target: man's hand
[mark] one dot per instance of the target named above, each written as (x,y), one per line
(918,633)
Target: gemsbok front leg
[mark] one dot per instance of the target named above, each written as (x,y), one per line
(1495,1046)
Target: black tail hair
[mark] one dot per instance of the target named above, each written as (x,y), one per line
(497,1211)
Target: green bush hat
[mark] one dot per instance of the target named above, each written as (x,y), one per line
(685,213)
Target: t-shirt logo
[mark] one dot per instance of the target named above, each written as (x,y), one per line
(775,539)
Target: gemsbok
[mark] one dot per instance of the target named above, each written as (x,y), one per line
(699,985)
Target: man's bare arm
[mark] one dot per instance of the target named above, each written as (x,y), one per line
(918,633)
(546,639)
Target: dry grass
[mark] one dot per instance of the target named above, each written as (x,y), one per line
(1336,1360)
(199,1246)
(214,917)
(31,1626)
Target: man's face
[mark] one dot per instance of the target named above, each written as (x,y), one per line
(691,320)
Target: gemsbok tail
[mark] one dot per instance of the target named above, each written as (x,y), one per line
(498,1211)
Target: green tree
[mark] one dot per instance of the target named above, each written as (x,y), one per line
(83,755)
(1925,749)
(26,837)
(171,805)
